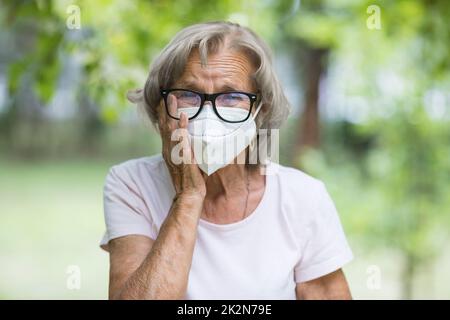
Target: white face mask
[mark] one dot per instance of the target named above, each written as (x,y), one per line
(216,143)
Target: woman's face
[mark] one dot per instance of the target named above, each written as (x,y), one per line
(226,71)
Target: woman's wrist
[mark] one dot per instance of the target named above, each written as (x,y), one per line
(188,205)
(189,197)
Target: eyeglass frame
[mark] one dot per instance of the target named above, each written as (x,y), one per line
(208,97)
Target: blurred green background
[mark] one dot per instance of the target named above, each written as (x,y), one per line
(369,83)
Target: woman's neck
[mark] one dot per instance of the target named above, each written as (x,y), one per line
(232,193)
(227,181)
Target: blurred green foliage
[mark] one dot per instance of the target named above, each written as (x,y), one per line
(404,169)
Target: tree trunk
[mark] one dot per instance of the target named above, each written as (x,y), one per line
(309,132)
(408,277)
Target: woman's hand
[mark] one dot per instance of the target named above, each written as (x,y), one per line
(186,176)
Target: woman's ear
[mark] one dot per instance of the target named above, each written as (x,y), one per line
(262,111)
(263,115)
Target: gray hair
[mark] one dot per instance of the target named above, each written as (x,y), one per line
(208,38)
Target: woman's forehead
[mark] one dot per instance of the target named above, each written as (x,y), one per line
(224,70)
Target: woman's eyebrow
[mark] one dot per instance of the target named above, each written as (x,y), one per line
(188,85)
(193,86)
(228,87)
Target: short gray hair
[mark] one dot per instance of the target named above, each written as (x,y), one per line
(208,38)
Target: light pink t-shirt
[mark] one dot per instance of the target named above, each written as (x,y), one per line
(294,234)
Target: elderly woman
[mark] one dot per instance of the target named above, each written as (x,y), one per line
(196,223)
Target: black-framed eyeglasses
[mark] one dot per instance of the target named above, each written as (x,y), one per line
(192,102)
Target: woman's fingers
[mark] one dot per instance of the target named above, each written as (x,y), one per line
(178,153)
(172,108)
(183,122)
(186,146)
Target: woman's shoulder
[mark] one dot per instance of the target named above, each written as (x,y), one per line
(304,198)
(298,191)
(139,170)
(294,178)
(138,164)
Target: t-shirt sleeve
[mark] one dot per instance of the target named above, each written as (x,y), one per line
(325,248)
(125,210)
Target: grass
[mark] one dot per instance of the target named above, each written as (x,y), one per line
(51,217)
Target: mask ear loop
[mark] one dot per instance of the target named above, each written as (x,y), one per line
(257,110)
(253,142)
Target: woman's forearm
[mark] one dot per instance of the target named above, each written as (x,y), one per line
(164,272)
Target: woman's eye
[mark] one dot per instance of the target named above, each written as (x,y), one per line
(236,97)
(186,95)
(233,98)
